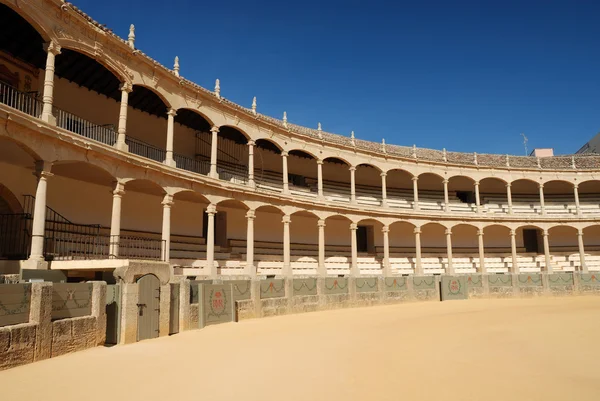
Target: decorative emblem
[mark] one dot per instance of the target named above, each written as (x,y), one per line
(454,286)
(218,303)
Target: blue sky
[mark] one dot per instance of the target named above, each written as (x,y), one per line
(467,76)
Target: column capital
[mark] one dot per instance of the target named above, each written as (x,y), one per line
(42,169)
(415,178)
(119,188)
(214,129)
(171,112)
(545,233)
(480,233)
(168,200)
(320,161)
(353,226)
(284,153)
(211,209)
(385,229)
(580,232)
(448,231)
(476,183)
(286,219)
(417,230)
(507,185)
(575,185)
(352,168)
(541,185)
(250,214)
(251,142)
(513,232)
(383,174)
(52,47)
(321,223)
(445,181)
(126,87)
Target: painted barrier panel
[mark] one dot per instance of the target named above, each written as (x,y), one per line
(500,280)
(242,289)
(174,309)
(560,279)
(590,279)
(15,302)
(529,280)
(194,289)
(395,284)
(305,286)
(272,288)
(474,280)
(453,287)
(424,282)
(113,313)
(366,284)
(336,285)
(71,300)
(216,304)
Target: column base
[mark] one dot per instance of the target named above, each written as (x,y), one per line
(49,118)
(384,203)
(122,146)
(170,163)
(252,184)
(35,264)
(214,174)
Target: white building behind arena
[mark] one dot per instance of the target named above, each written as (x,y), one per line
(106,156)
(593,146)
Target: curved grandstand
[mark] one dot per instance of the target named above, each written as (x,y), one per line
(131,161)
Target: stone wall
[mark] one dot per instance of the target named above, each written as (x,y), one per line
(42,338)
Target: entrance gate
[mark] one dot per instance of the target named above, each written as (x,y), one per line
(148,307)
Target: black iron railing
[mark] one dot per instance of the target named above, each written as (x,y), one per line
(15,236)
(144,149)
(189,164)
(101,133)
(25,102)
(65,246)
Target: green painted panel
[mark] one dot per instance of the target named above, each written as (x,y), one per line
(500,280)
(395,284)
(591,279)
(560,279)
(474,280)
(241,289)
(272,288)
(194,289)
(305,286)
(366,284)
(336,285)
(71,300)
(529,280)
(424,282)
(15,301)
(453,287)
(217,304)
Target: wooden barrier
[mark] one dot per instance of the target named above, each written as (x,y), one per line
(15,302)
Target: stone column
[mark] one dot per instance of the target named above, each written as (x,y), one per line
(171,113)
(418,265)
(287,259)
(211,210)
(115,220)
(250,270)
(321,270)
(576,194)
(386,251)
(542,206)
(446,198)
(482,268)
(36,258)
(415,193)
(125,91)
(477,199)
(320,178)
(383,190)
(166,227)
(213,152)
(251,182)
(513,251)
(52,50)
(583,266)
(286,186)
(547,251)
(354,260)
(509,198)
(352,184)
(450,269)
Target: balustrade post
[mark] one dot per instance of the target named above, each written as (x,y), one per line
(52,49)
(415,193)
(36,257)
(450,269)
(513,251)
(115,220)
(213,152)
(166,227)
(250,270)
(126,89)
(169,161)
(583,266)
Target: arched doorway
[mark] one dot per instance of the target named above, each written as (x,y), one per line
(148,307)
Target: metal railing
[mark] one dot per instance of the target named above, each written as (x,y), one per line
(235,173)
(146,150)
(89,247)
(101,133)
(131,247)
(25,102)
(189,164)
(15,236)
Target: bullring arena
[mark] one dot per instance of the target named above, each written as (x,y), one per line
(135,204)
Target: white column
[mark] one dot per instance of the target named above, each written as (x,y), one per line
(287,259)
(386,251)
(477,200)
(383,189)
(211,210)
(446,198)
(415,193)
(418,264)
(320,178)
(213,152)
(286,186)
(115,220)
(39,212)
(354,260)
(513,251)
(482,268)
(170,136)
(542,206)
(450,269)
(122,130)
(352,184)
(576,194)
(251,182)
(547,251)
(509,198)
(321,270)
(166,227)
(250,270)
(52,49)
(583,266)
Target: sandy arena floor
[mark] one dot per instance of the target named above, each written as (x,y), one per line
(533,349)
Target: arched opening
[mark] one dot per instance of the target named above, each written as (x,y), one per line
(493,198)
(563,248)
(336,180)
(369,239)
(338,248)
(268,168)
(402,248)
(530,248)
(368,185)
(399,188)
(496,243)
(192,141)
(431,192)
(304,234)
(525,196)
(230,236)
(559,198)
(589,196)
(434,259)
(268,241)
(461,194)
(465,249)
(591,244)
(232,155)
(302,173)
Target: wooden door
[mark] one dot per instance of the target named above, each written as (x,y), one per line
(148,307)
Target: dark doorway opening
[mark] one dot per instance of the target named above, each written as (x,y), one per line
(530,240)
(362,240)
